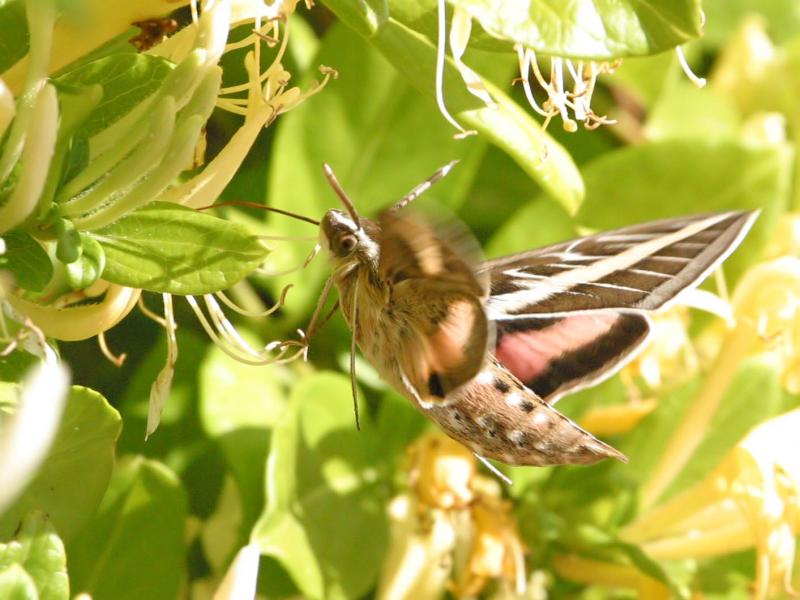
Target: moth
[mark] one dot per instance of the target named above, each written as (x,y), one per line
(486,348)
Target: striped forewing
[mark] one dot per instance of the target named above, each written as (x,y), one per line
(635,268)
(570,315)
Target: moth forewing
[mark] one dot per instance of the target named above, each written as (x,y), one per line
(572,314)
(642,267)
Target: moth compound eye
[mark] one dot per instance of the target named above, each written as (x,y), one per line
(347,244)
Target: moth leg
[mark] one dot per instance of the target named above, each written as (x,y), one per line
(312,325)
(353,355)
(494,470)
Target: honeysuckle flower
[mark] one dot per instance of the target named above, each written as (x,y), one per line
(81,32)
(785,241)
(764,129)
(617,419)
(597,572)
(745,62)
(451,530)
(419,560)
(495,549)
(441,472)
(569,85)
(751,500)
(72,319)
(766,307)
(267,94)
(163,133)
(560,98)
(769,298)
(669,350)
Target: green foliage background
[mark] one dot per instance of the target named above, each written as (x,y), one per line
(271,454)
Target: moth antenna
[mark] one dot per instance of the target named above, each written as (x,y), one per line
(281,211)
(423,187)
(348,204)
(353,356)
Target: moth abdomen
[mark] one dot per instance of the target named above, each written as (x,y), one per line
(497,417)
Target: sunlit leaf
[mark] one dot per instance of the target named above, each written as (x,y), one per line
(324,520)
(239,406)
(598,29)
(166,248)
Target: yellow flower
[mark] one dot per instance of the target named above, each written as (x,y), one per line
(197,50)
(769,298)
(751,500)
(766,307)
(596,572)
(442,471)
(669,351)
(451,530)
(496,551)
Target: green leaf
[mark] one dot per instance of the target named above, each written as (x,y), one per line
(167,248)
(27,260)
(324,520)
(648,77)
(14,365)
(134,547)
(723,17)
(682,177)
(74,476)
(684,111)
(13,33)
(537,224)
(37,549)
(239,406)
(500,188)
(595,29)
(180,441)
(126,78)
(398,424)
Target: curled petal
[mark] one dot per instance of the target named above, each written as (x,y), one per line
(75,323)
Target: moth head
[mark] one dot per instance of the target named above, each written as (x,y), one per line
(339,234)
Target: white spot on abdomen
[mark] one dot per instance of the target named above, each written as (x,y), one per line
(514,399)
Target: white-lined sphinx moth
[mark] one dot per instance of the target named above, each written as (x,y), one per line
(485,348)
